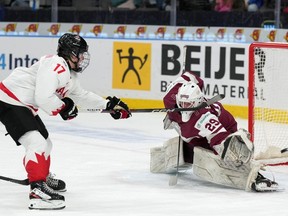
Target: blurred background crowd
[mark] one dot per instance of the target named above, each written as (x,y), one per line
(190,5)
(227,13)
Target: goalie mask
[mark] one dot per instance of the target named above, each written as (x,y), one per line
(189,95)
(70,46)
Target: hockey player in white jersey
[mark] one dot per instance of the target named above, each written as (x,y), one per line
(51,84)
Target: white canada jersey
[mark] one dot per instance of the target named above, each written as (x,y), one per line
(44,84)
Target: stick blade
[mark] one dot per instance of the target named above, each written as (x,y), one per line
(17,181)
(173,180)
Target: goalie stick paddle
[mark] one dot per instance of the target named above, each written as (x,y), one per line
(174,178)
(17,181)
(214,99)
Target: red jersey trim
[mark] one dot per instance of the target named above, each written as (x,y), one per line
(10,94)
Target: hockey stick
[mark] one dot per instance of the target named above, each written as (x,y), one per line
(174,178)
(156,110)
(17,181)
(204,104)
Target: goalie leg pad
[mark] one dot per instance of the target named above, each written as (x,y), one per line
(164,159)
(210,167)
(157,160)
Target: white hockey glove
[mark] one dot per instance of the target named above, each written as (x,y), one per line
(236,148)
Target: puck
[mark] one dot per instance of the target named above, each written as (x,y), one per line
(284,150)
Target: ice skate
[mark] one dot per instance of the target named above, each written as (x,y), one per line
(57,185)
(43,197)
(263,184)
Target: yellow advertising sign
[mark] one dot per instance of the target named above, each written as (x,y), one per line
(131,66)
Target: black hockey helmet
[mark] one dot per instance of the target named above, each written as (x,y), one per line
(74,45)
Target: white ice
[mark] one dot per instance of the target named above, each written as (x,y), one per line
(105,164)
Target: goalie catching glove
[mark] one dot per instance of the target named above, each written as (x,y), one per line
(236,148)
(119,108)
(69,111)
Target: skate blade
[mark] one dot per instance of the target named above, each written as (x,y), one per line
(40,204)
(270,189)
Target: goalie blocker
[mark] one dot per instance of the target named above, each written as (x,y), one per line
(232,167)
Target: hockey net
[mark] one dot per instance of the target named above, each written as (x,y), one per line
(268,101)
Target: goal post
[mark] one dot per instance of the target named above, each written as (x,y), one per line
(268,101)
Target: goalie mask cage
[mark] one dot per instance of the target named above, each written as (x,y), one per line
(268,101)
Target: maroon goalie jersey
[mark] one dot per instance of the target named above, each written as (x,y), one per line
(207,127)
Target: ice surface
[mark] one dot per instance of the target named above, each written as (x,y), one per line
(105,164)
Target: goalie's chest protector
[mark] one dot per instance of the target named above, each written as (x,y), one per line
(192,131)
(204,124)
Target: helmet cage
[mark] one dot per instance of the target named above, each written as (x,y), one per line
(83,62)
(184,104)
(189,95)
(70,45)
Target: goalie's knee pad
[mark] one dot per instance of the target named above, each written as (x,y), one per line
(164,159)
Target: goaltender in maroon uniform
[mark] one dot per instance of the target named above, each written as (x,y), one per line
(212,128)
(222,119)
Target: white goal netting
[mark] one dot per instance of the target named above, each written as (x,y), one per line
(268,100)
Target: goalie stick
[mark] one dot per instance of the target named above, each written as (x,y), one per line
(202,105)
(174,178)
